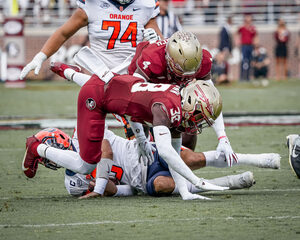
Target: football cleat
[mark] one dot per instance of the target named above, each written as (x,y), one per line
(31,157)
(269,160)
(293,142)
(59,68)
(243,180)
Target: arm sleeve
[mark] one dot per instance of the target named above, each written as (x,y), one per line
(218,125)
(165,149)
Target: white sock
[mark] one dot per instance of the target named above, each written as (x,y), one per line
(80,78)
(123,191)
(41,149)
(69,73)
(68,159)
(211,160)
(243,159)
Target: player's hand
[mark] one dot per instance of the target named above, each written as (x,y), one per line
(191,196)
(90,195)
(145,150)
(35,64)
(225,147)
(150,35)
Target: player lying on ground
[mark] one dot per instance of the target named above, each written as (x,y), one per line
(164,106)
(153,180)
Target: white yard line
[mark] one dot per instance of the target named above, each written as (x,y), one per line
(229,218)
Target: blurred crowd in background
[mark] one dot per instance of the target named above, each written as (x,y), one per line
(237,21)
(190,12)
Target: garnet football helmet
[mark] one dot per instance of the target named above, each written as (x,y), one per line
(124,2)
(201,105)
(55,138)
(183,55)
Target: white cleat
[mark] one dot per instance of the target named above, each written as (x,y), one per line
(205,185)
(240,181)
(269,160)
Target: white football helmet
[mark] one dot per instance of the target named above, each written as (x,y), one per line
(201,104)
(183,55)
(124,2)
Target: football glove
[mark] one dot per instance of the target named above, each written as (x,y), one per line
(145,150)
(150,35)
(35,65)
(225,147)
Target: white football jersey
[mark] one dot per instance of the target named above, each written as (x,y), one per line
(126,167)
(115,30)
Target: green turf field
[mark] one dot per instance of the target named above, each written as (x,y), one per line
(40,208)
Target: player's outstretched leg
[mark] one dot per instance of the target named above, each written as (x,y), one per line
(70,72)
(263,160)
(293,142)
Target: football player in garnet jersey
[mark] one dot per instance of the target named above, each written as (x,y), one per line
(178,60)
(115,27)
(164,106)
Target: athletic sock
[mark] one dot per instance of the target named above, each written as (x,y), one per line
(80,78)
(66,158)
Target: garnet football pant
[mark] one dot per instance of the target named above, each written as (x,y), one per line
(90,120)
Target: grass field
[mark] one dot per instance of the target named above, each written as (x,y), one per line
(40,208)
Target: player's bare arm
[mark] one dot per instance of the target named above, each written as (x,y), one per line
(78,20)
(153,24)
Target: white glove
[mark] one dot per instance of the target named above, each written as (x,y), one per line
(150,35)
(224,146)
(191,196)
(35,64)
(145,149)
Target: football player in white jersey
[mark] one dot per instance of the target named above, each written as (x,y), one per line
(115,27)
(155,180)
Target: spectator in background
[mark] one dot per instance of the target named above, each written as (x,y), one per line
(226,36)
(247,33)
(281,51)
(260,63)
(167,21)
(220,68)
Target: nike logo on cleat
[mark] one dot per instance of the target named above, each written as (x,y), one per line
(162,134)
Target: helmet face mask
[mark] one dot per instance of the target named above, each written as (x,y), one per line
(183,55)
(124,2)
(201,105)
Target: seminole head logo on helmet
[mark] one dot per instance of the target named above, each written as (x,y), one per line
(183,55)
(201,105)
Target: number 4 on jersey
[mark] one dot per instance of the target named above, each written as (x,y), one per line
(116,25)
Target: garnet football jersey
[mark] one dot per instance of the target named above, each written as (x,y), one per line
(150,59)
(115,30)
(131,96)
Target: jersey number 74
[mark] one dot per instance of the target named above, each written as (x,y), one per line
(128,36)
